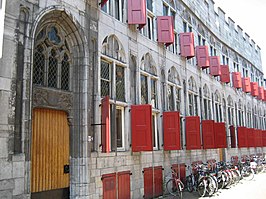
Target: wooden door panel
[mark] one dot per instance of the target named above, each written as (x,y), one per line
(49,150)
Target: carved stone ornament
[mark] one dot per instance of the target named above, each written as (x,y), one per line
(48,98)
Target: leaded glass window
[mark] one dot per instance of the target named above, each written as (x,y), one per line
(51,62)
(120,83)
(144,89)
(105,78)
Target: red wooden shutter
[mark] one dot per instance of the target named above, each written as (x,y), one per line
(165,29)
(105,133)
(242,136)
(180,169)
(258,138)
(124,185)
(250,137)
(141,125)
(171,126)
(237,83)
(202,54)
(254,89)
(158,181)
(187,44)
(208,134)
(225,74)
(109,186)
(220,135)
(261,93)
(193,132)
(246,84)
(148,182)
(215,66)
(264,95)
(233,136)
(137,12)
(264,138)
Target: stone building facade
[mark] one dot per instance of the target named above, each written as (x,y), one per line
(60,59)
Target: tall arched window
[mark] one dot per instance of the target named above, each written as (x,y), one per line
(148,80)
(240,119)
(249,116)
(52,61)
(192,97)
(173,90)
(217,107)
(206,103)
(149,90)
(113,69)
(112,84)
(224,110)
(255,118)
(230,110)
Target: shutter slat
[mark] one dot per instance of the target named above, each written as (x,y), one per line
(171,125)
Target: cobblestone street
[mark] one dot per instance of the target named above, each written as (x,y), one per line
(254,189)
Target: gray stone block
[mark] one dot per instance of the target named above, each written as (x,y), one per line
(7,184)
(3,147)
(19,186)
(6,194)
(18,169)
(5,170)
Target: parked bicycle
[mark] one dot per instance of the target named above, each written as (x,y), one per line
(174,185)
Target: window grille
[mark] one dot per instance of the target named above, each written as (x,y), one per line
(51,63)
(105,78)
(120,83)
(144,90)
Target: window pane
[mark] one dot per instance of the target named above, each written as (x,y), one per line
(119,130)
(144,90)
(165,10)
(65,73)
(105,78)
(52,71)
(190,101)
(170,98)
(178,99)
(153,93)
(149,5)
(120,84)
(38,66)
(195,105)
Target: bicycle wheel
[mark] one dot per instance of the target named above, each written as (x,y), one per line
(201,187)
(211,186)
(248,174)
(173,188)
(189,184)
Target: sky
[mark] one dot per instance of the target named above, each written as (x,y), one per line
(250,15)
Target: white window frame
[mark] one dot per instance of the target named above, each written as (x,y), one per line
(155,133)
(123,127)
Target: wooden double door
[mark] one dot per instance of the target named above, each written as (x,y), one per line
(49,154)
